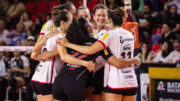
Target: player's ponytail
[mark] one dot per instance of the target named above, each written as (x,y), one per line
(117,16)
(61,16)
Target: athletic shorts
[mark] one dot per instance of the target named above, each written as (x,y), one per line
(69,88)
(41,89)
(126,92)
(98,81)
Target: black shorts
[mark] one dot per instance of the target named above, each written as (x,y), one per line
(41,89)
(126,92)
(98,81)
(69,88)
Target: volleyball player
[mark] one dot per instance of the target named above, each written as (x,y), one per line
(120,83)
(49,25)
(48,68)
(83,12)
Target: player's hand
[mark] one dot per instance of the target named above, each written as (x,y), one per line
(13,69)
(62,41)
(90,66)
(52,33)
(137,61)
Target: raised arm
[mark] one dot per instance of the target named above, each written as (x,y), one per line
(89,50)
(73,60)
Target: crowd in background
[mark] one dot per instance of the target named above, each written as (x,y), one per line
(158,21)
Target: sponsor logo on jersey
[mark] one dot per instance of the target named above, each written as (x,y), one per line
(122,39)
(88,43)
(128,76)
(127,47)
(126,71)
(71,65)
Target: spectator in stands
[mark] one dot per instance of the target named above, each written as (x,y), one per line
(174,56)
(31,40)
(163,54)
(25,19)
(175,2)
(18,35)
(3,78)
(23,42)
(14,12)
(166,35)
(19,72)
(4,32)
(33,64)
(145,54)
(145,24)
(29,33)
(113,4)
(172,18)
(37,26)
(4,6)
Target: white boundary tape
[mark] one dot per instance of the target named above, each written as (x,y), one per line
(15,48)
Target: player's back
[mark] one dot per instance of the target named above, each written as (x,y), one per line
(48,69)
(121,43)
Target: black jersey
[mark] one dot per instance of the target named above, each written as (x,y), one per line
(75,70)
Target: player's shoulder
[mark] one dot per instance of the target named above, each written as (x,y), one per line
(51,21)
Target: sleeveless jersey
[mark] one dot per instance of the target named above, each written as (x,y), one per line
(47,70)
(49,25)
(100,62)
(79,71)
(121,44)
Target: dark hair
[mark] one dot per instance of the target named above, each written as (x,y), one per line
(3,20)
(148,50)
(77,32)
(99,6)
(61,16)
(117,16)
(55,10)
(117,3)
(169,49)
(66,6)
(168,24)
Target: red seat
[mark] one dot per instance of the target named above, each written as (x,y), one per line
(156,47)
(42,7)
(44,18)
(30,6)
(91,4)
(78,3)
(33,17)
(52,4)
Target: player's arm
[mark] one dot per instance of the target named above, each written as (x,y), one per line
(89,50)
(73,60)
(118,62)
(45,55)
(42,40)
